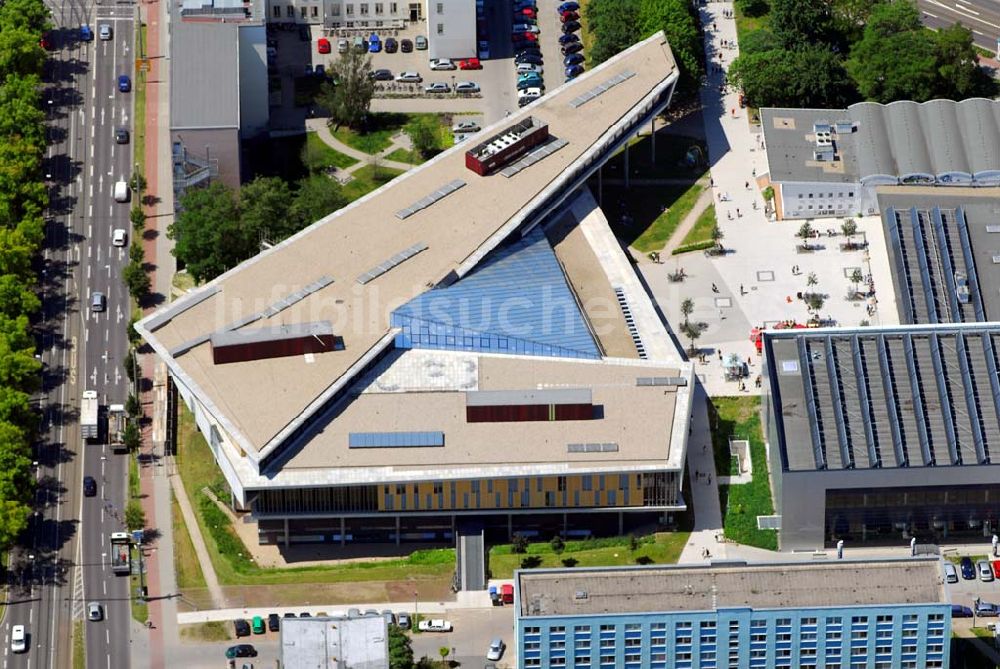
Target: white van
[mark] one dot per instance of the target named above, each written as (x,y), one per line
(121,191)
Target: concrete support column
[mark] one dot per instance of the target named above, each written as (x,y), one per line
(343,531)
(652,141)
(626,166)
(565,523)
(510,526)
(286,533)
(397,530)
(621,522)
(600,185)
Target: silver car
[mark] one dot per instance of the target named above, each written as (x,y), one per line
(104,31)
(437,87)
(409,78)
(985,570)
(497,647)
(95,612)
(466,87)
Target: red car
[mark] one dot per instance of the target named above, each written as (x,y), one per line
(996,568)
(527,11)
(323,45)
(569,16)
(46,41)
(531,37)
(470,64)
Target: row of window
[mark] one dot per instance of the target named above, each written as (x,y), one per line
(819,195)
(335,10)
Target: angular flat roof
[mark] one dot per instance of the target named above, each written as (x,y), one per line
(779,585)
(458,231)
(939,140)
(943,243)
(906,396)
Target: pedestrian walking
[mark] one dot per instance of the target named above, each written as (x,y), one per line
(715,288)
(742,292)
(720,356)
(738,214)
(704,448)
(746,184)
(709,479)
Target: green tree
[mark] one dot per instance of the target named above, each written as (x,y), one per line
(32,15)
(678,21)
(16,480)
(691,332)
(400,650)
(519,544)
(856,278)
(20,53)
(811,76)
(557,544)
(15,408)
(850,16)
(13,519)
(21,192)
(759,41)
(849,228)
(613,25)
(687,308)
(423,132)
(264,206)
(959,73)
(133,407)
(444,652)
(132,438)
(349,99)
(753,8)
(207,234)
(317,196)
(801,22)
(17,297)
(138,218)
(20,109)
(137,280)
(135,517)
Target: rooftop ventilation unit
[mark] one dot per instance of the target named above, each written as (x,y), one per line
(843,127)
(504,147)
(823,133)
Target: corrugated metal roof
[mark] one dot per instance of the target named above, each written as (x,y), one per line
(519,293)
(204,74)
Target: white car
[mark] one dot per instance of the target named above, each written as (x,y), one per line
(434,626)
(466,126)
(118,237)
(529,94)
(525,28)
(466,87)
(104,31)
(18,639)
(95,612)
(497,647)
(525,68)
(437,87)
(409,78)
(442,64)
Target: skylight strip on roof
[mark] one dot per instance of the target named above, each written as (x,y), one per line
(544,151)
(428,200)
(601,88)
(395,439)
(387,265)
(282,304)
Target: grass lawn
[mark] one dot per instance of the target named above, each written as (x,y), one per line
(133,476)
(366,180)
(139,113)
(443,139)
(659,548)
(140,610)
(215,630)
(747,24)
(378,136)
(739,417)
(702,230)
(182,280)
(326,156)
(586,37)
(655,212)
(668,163)
(79,650)
(185,560)
(230,558)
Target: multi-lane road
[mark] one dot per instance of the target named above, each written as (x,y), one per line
(64,558)
(982,17)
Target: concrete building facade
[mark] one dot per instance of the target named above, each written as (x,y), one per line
(891,614)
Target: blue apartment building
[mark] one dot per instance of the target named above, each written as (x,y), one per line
(845,614)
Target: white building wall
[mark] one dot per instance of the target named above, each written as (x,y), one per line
(802,199)
(451,28)
(343,13)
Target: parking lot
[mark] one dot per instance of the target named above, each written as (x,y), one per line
(965,591)
(474,629)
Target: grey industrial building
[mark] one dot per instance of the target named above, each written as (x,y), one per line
(832,162)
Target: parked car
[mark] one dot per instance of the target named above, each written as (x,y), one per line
(470,64)
(372,613)
(437,87)
(573,59)
(524,37)
(289,615)
(533,58)
(523,68)
(996,568)
(360,44)
(305,614)
(105,32)
(241,650)
(528,12)
(391,45)
(257,625)
(342,46)
(436,625)
(525,28)
(950,573)
(571,26)
(466,87)
(566,38)
(119,237)
(273,622)
(566,17)
(308,69)
(531,94)
(89,486)
(959,611)
(319,70)
(390,617)
(466,126)
(382,75)
(409,78)
(574,71)
(496,649)
(86,34)
(484,49)
(95,612)
(572,47)
(420,42)
(124,83)
(967,568)
(403,620)
(353,613)
(323,45)
(530,50)
(569,7)
(374,43)
(985,571)
(18,639)
(241,627)
(442,64)
(531,79)
(406,46)
(987,609)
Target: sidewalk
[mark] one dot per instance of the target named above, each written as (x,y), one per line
(204,560)
(319,126)
(704,202)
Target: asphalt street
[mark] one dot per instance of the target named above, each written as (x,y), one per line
(54,573)
(982,17)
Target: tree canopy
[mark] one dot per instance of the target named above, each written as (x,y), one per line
(349,95)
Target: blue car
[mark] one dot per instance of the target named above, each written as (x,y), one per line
(568,37)
(124,83)
(959,611)
(574,71)
(987,609)
(86,34)
(374,44)
(968,569)
(568,7)
(573,59)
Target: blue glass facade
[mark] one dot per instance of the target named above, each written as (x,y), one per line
(860,637)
